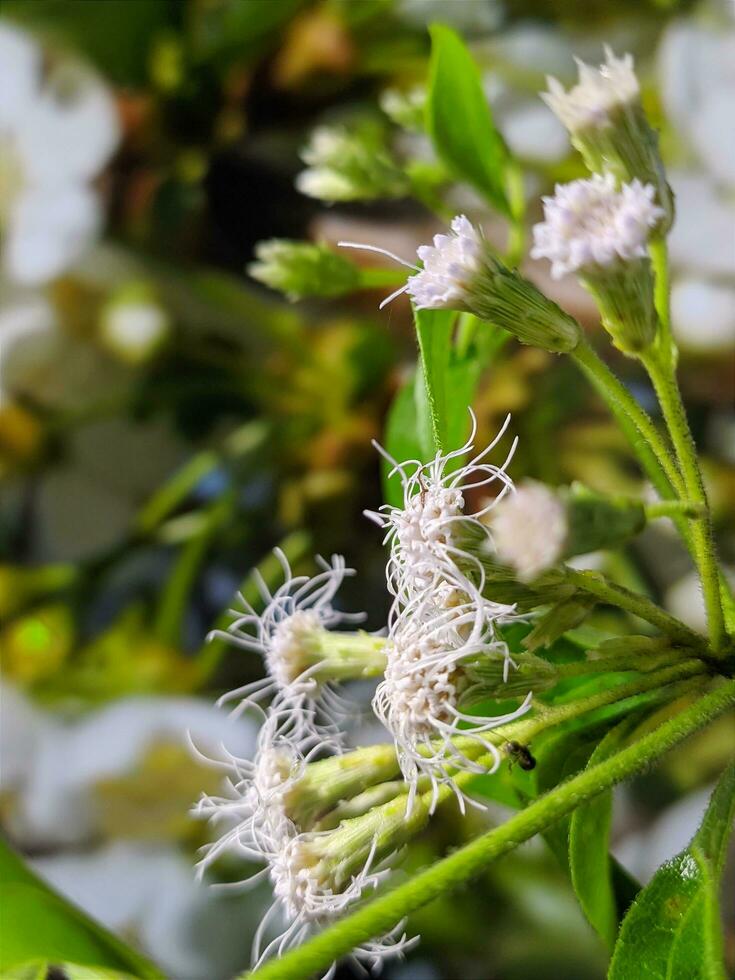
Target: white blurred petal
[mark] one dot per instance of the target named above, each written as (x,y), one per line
(702,239)
(71,130)
(20,68)
(534,133)
(697,78)
(703,315)
(48,230)
(57,803)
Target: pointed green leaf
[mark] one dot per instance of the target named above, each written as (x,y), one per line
(434,335)
(459,120)
(673,928)
(589,843)
(40,926)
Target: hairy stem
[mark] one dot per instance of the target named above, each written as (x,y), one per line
(617,595)
(654,452)
(380,915)
(661,371)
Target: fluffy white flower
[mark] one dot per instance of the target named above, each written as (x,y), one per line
(450,265)
(529,529)
(430,534)
(282,634)
(419,699)
(306,901)
(599,92)
(254,807)
(590,224)
(57,131)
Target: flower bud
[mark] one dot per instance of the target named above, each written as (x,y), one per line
(352,165)
(461,272)
(303,269)
(537,527)
(608,126)
(601,234)
(405,108)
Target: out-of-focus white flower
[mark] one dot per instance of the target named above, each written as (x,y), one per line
(57,802)
(133,324)
(591,224)
(58,129)
(286,635)
(697,76)
(148,892)
(530,528)
(703,315)
(349,165)
(599,93)
(23,727)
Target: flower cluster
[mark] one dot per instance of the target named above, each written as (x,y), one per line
(345,165)
(440,619)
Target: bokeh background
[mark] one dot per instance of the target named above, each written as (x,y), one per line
(165,420)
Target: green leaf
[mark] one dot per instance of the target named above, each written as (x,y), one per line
(673,928)
(459,120)
(434,335)
(39,926)
(589,843)
(401,438)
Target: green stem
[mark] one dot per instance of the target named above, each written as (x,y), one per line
(617,595)
(673,508)
(653,450)
(174,598)
(380,915)
(661,371)
(517,230)
(662,298)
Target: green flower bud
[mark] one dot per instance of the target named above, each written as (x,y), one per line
(301,269)
(350,165)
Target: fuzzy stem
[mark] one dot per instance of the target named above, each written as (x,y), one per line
(658,251)
(673,508)
(661,371)
(616,595)
(380,915)
(622,404)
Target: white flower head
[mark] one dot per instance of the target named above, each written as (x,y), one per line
(254,805)
(449,267)
(591,225)
(430,533)
(529,529)
(598,94)
(307,901)
(58,129)
(282,634)
(419,699)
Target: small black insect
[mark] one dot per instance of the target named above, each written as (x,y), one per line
(520,754)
